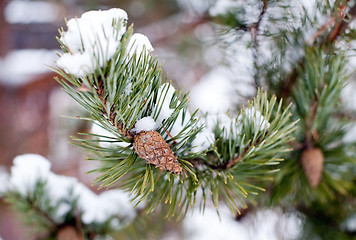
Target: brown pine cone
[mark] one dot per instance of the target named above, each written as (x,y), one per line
(313,163)
(151,146)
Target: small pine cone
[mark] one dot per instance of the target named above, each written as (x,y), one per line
(313,162)
(151,146)
(68,233)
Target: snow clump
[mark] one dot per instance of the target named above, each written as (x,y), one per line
(145,124)
(28,169)
(94,38)
(106,138)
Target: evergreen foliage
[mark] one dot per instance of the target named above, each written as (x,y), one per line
(39,212)
(241,155)
(309,70)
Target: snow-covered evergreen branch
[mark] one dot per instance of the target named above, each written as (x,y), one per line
(146,119)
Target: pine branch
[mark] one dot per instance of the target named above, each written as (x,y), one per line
(35,208)
(42,213)
(340,25)
(317,102)
(113,115)
(254,31)
(256,137)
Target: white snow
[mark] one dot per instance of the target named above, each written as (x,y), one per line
(194,7)
(98,208)
(21,66)
(263,225)
(208,226)
(214,93)
(128,88)
(30,168)
(206,138)
(253,116)
(350,136)
(31,12)
(203,141)
(145,124)
(137,44)
(27,169)
(252,9)
(105,141)
(166,91)
(92,39)
(348,94)
(78,64)
(231,127)
(350,223)
(180,123)
(165,94)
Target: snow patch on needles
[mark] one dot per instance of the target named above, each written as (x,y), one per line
(203,140)
(145,124)
(262,225)
(254,117)
(248,10)
(165,94)
(137,44)
(231,127)
(28,169)
(166,91)
(106,139)
(94,38)
(214,92)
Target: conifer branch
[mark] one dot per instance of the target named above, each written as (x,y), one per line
(112,117)
(254,32)
(340,25)
(42,213)
(239,156)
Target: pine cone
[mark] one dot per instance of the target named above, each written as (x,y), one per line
(312,162)
(151,146)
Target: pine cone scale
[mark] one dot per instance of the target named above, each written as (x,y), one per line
(312,162)
(151,146)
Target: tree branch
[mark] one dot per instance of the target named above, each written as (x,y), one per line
(338,29)
(254,29)
(101,92)
(43,214)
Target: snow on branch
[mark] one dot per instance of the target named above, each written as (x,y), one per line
(32,184)
(146,138)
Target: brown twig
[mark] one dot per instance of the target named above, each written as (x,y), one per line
(231,163)
(45,215)
(101,93)
(323,28)
(342,24)
(165,129)
(254,29)
(169,134)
